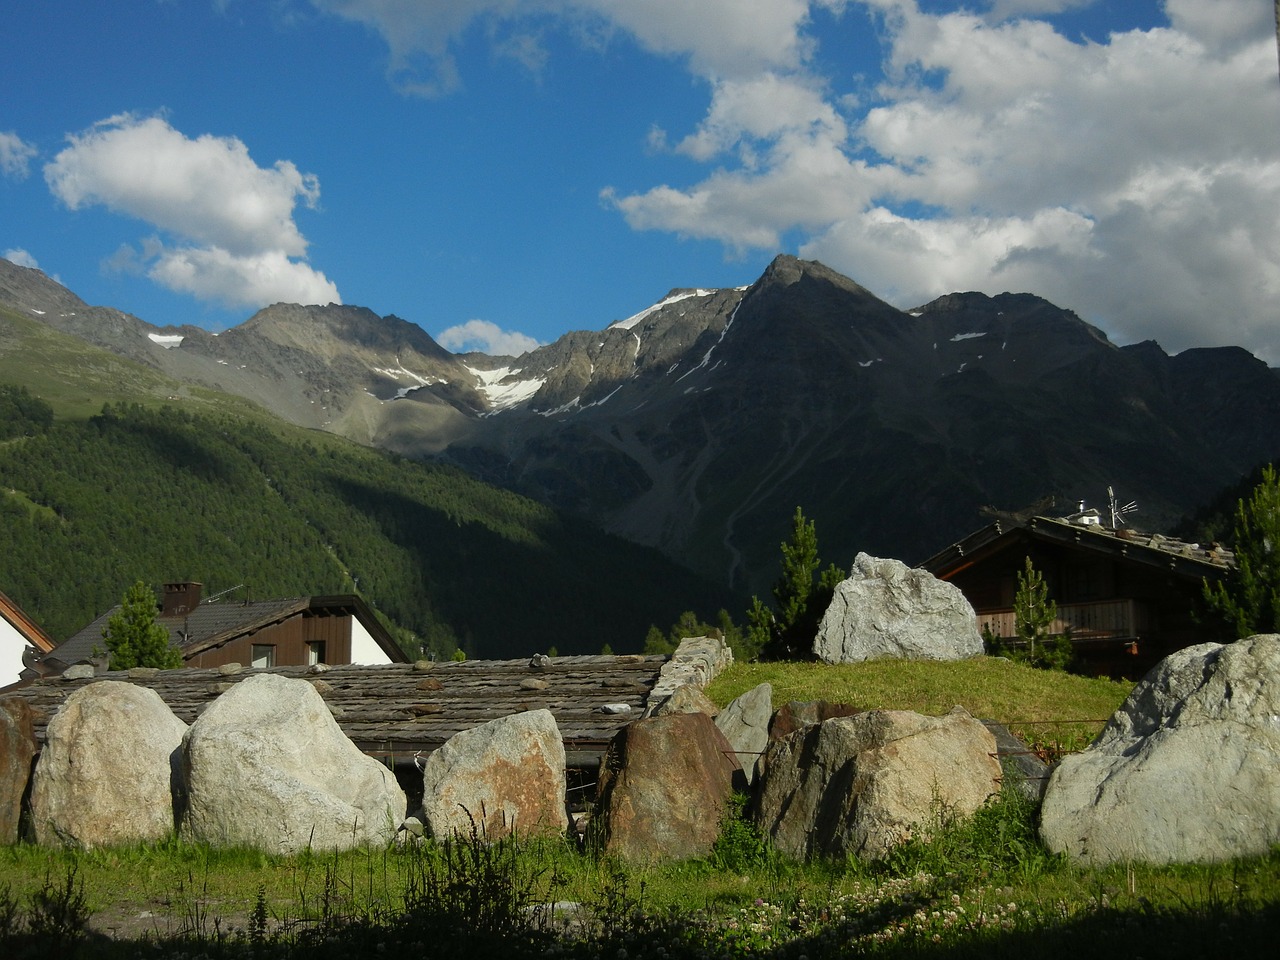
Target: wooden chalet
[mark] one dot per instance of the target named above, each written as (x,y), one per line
(400,712)
(22,641)
(295,631)
(1127,598)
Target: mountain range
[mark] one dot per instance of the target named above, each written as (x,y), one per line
(698,425)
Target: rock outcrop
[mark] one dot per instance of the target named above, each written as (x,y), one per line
(17,750)
(745,724)
(886,609)
(267,766)
(861,785)
(109,768)
(1187,770)
(504,776)
(665,785)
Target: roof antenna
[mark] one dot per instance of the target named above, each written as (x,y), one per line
(1118,510)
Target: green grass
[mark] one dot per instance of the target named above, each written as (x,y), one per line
(1044,707)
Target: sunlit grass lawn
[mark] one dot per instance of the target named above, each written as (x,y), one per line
(1041,706)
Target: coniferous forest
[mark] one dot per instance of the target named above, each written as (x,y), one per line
(87,507)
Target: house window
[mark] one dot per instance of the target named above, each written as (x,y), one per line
(264,655)
(315,652)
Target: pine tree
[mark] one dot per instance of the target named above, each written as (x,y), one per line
(1033,617)
(133,637)
(1248,597)
(799,602)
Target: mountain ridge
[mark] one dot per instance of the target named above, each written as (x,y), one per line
(698,424)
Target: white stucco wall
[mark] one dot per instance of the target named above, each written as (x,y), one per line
(364,649)
(11,646)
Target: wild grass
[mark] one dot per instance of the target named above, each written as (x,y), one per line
(1047,707)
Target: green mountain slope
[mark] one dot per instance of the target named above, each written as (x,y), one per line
(172,483)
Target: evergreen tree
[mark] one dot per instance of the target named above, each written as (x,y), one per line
(787,631)
(1248,597)
(133,637)
(1033,617)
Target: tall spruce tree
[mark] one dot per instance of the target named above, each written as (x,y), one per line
(787,631)
(133,637)
(1248,597)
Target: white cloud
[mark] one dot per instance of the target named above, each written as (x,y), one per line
(1009,9)
(486,337)
(15,156)
(1130,178)
(238,242)
(241,280)
(1133,180)
(719,38)
(21,257)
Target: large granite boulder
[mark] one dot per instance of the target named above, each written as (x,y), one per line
(267,766)
(505,776)
(886,609)
(108,773)
(745,724)
(665,785)
(861,785)
(1187,770)
(17,750)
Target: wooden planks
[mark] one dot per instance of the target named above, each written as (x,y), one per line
(399,711)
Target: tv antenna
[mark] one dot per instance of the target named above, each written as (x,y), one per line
(1118,510)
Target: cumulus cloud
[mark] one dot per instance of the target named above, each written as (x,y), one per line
(237,241)
(15,156)
(1133,180)
(718,38)
(21,257)
(486,337)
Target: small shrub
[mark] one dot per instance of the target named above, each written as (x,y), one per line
(741,846)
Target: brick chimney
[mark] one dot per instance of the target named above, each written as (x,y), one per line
(180,599)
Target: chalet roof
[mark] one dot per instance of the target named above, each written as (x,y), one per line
(210,625)
(28,628)
(1187,559)
(398,710)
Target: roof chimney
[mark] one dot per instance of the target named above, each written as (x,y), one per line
(180,599)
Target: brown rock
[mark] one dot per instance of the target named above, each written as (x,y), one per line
(665,784)
(798,714)
(17,750)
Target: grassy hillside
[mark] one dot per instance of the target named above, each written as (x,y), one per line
(1044,707)
(159,494)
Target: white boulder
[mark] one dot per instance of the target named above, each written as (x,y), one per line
(267,766)
(1187,770)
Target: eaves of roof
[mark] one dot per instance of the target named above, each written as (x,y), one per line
(25,625)
(1176,556)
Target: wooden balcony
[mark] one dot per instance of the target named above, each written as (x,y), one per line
(1101,620)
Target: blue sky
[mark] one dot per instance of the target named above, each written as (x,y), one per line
(504,171)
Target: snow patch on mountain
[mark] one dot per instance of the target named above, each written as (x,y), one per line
(166,340)
(631,321)
(502,389)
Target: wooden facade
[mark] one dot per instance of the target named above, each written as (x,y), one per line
(1128,599)
(292,642)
